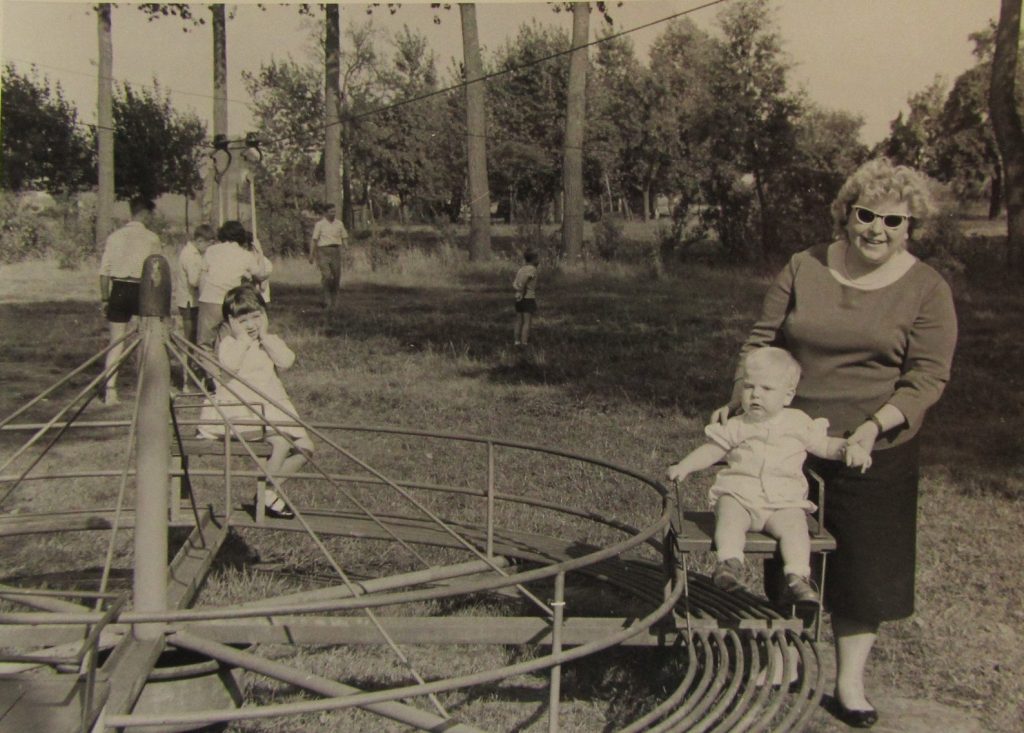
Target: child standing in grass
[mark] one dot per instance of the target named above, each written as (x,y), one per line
(228,263)
(186,292)
(763,487)
(254,355)
(525,286)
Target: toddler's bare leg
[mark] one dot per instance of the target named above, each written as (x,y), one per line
(732,521)
(789,527)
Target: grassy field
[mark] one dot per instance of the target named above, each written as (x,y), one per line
(623,366)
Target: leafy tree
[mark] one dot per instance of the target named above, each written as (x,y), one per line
(155,147)
(287,103)
(43,145)
(914,140)
(526,110)
(826,153)
(672,150)
(419,169)
(752,123)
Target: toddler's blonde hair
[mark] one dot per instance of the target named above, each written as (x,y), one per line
(774,358)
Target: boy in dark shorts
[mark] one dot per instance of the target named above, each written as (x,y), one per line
(525,285)
(124,253)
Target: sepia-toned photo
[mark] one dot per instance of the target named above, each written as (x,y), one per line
(511,366)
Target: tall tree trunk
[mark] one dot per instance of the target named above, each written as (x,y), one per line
(220,103)
(767,240)
(476,139)
(995,193)
(105,127)
(1007,125)
(572,154)
(332,108)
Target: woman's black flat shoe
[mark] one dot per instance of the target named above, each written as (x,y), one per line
(852,718)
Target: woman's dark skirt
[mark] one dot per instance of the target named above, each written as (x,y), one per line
(873,517)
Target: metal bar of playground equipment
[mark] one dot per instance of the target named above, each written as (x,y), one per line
(63,380)
(277,428)
(298,515)
(490,498)
(54,421)
(555,691)
(378,600)
(445,685)
(288,411)
(153,462)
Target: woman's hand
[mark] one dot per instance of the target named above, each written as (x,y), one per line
(721,415)
(855,456)
(724,412)
(865,436)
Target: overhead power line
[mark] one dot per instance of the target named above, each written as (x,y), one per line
(511,70)
(426,95)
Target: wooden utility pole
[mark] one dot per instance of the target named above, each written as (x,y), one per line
(1007,125)
(104,128)
(476,139)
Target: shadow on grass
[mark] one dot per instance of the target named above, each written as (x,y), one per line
(603,342)
(667,346)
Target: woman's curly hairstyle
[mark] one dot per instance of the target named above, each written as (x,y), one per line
(878,179)
(233,231)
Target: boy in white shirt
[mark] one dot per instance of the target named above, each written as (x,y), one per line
(186,291)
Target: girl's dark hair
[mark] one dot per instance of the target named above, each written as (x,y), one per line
(233,231)
(532,257)
(242,300)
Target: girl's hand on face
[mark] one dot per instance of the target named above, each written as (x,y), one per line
(264,326)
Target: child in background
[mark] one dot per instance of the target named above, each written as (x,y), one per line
(525,285)
(186,292)
(256,356)
(763,487)
(228,263)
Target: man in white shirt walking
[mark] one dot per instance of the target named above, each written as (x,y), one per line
(329,236)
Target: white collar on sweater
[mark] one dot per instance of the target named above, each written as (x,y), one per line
(896,267)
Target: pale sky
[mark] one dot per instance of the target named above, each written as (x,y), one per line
(862,56)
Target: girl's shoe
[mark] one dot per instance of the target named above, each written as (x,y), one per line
(278,509)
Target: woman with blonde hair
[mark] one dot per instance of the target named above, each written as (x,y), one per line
(874,330)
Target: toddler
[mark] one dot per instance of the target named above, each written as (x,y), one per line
(255,356)
(525,285)
(763,487)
